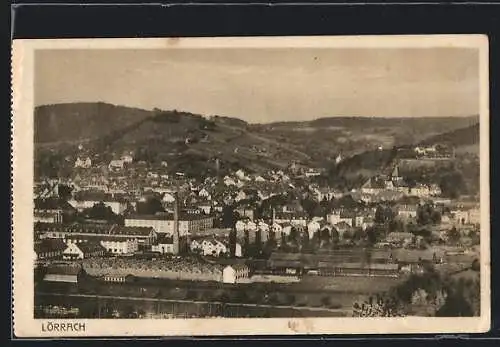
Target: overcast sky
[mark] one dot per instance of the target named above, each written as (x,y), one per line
(264,85)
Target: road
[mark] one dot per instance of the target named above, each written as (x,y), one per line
(133,298)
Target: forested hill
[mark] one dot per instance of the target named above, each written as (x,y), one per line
(82,121)
(456,138)
(189,142)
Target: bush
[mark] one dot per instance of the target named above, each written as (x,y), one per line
(335,305)
(475,265)
(325,301)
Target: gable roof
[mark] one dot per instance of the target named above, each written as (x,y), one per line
(52,204)
(50,245)
(63,270)
(132,231)
(90,247)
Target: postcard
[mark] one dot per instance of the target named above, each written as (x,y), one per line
(250,186)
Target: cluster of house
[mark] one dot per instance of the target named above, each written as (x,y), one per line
(344,222)
(139,234)
(80,241)
(214,247)
(433,151)
(393,187)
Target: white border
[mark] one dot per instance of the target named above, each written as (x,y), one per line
(23,256)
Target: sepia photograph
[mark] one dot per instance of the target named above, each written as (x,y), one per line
(284,185)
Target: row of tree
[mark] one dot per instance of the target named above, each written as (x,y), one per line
(429,294)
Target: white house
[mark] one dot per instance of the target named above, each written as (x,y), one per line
(195,245)
(127,158)
(235,273)
(312,228)
(260,179)
(213,248)
(168,197)
(164,245)
(337,217)
(83,163)
(209,247)
(116,205)
(408,211)
(474,216)
(460,217)
(228,181)
(83,250)
(263,226)
(116,164)
(120,245)
(238,252)
(287,229)
(240,226)
(240,174)
(276,229)
(251,226)
(203,193)
(206,208)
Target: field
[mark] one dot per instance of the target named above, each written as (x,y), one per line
(361,285)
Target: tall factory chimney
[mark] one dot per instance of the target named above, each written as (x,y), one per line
(176,224)
(217,166)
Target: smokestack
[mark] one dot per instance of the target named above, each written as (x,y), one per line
(217,166)
(176,223)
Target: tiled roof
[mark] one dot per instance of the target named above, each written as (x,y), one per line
(50,245)
(132,231)
(63,270)
(88,228)
(98,196)
(168,216)
(52,204)
(164,239)
(90,247)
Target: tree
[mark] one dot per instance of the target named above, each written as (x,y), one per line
(232,242)
(455,306)
(436,217)
(476,266)
(101,212)
(305,242)
(335,236)
(424,214)
(150,206)
(347,235)
(326,301)
(420,231)
(64,192)
(371,236)
(294,235)
(358,234)
(396,225)
(453,235)
(310,206)
(383,214)
(258,237)
(229,217)
(452,184)
(246,238)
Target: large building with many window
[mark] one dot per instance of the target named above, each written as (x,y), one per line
(189,223)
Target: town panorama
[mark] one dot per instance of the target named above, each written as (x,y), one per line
(360,198)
